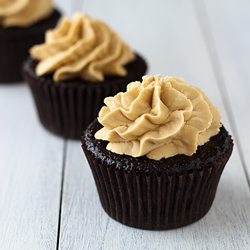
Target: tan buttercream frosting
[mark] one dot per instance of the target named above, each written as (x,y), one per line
(82,47)
(159,118)
(23,13)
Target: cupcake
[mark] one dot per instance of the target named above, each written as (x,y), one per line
(157,152)
(81,62)
(22,24)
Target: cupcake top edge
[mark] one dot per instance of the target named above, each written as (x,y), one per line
(83,48)
(24,13)
(159,118)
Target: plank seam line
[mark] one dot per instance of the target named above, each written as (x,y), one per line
(65,146)
(210,44)
(105,233)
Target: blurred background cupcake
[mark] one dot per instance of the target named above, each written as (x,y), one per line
(22,24)
(81,62)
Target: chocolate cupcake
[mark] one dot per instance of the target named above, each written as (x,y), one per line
(22,24)
(157,154)
(81,62)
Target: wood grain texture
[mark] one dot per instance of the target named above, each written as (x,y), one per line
(230,26)
(30,174)
(168,35)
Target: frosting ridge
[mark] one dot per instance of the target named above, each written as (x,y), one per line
(23,13)
(82,47)
(159,118)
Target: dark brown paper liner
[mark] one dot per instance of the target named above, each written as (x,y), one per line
(157,195)
(67,108)
(68,111)
(155,202)
(15,44)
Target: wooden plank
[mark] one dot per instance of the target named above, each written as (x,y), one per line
(230,25)
(30,174)
(168,35)
(80,201)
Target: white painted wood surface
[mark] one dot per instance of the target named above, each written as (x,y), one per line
(30,174)
(202,41)
(230,26)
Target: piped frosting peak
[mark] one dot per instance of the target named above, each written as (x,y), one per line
(82,48)
(159,118)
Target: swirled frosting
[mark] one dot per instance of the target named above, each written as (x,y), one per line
(82,47)
(159,118)
(23,13)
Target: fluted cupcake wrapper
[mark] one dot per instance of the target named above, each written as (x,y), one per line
(154,201)
(67,110)
(67,107)
(15,44)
